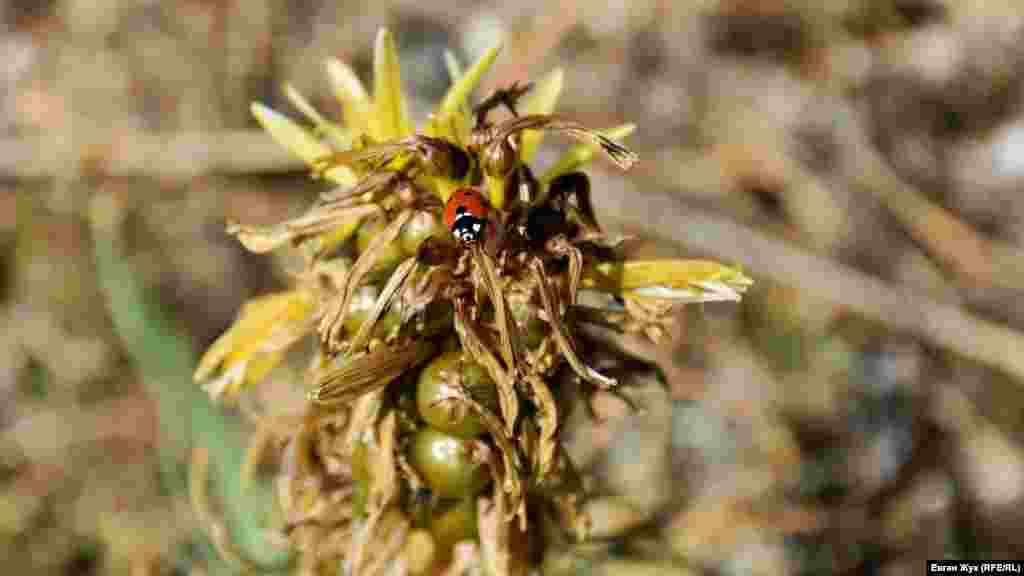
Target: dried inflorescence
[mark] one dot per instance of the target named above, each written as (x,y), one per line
(430,442)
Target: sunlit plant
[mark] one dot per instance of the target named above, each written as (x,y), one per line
(430,442)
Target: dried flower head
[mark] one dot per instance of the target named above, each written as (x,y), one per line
(431,437)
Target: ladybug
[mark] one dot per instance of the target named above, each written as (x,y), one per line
(466,215)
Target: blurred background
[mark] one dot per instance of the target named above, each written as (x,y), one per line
(860,411)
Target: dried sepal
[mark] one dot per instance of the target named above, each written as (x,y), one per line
(561,334)
(581,154)
(339,385)
(299,141)
(318,220)
(254,344)
(542,100)
(331,325)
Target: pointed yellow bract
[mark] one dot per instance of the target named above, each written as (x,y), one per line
(255,343)
(679,280)
(455,99)
(541,100)
(339,136)
(300,142)
(581,154)
(390,119)
(356,108)
(452,119)
(453,66)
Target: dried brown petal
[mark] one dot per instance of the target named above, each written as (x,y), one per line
(319,219)
(506,328)
(368,189)
(498,537)
(331,326)
(564,488)
(548,412)
(561,247)
(560,334)
(387,295)
(363,418)
(376,543)
(383,467)
(623,157)
(474,345)
(369,372)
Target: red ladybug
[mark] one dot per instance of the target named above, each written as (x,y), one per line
(466,215)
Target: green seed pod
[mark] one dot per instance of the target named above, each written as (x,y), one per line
(423,225)
(536,330)
(447,465)
(438,384)
(453,522)
(390,256)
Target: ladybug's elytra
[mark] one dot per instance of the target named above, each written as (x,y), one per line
(466,215)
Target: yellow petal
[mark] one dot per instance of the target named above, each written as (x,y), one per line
(390,118)
(581,154)
(336,133)
(348,89)
(255,343)
(682,280)
(542,100)
(300,142)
